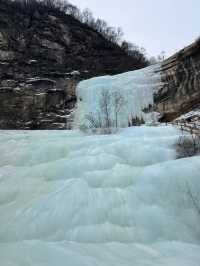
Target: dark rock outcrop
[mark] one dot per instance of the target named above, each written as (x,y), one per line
(42,57)
(34,104)
(180,92)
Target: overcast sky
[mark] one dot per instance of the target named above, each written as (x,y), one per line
(154,24)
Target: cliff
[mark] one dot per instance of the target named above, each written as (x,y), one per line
(180,92)
(42,57)
(45,53)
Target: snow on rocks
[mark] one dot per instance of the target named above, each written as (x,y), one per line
(190,121)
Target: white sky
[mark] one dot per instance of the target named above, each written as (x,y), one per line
(156,25)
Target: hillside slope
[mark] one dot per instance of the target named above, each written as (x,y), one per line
(41,54)
(44,54)
(58,42)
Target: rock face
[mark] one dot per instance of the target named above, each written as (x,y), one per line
(42,57)
(35,104)
(180,92)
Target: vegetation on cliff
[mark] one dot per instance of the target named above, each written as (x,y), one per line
(63,9)
(43,44)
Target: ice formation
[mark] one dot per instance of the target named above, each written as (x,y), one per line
(76,200)
(136,87)
(69,199)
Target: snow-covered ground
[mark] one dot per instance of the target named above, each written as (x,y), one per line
(119,200)
(193,116)
(136,88)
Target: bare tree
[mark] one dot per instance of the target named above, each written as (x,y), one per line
(188,145)
(87,16)
(105,107)
(95,120)
(100,26)
(118,103)
(161,56)
(106,117)
(139,54)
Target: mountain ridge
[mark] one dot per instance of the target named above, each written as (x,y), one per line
(54,51)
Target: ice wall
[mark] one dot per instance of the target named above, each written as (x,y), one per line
(136,87)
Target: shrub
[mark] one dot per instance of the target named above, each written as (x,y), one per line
(135,121)
(188,145)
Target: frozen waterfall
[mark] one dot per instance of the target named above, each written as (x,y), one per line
(70,199)
(136,88)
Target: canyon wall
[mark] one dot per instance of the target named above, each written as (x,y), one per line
(42,57)
(180,92)
(37,103)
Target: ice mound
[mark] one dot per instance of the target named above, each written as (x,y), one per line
(70,199)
